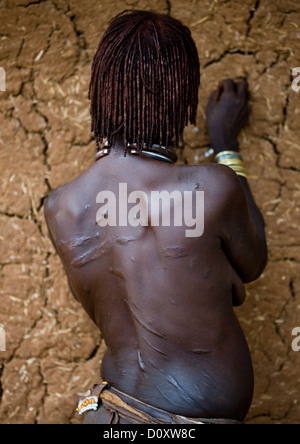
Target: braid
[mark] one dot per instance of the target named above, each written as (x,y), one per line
(145,80)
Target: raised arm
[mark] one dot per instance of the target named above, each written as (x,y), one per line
(244,228)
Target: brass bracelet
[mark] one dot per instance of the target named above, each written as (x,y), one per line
(233,160)
(227,155)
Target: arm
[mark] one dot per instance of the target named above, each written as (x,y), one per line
(51,209)
(245,244)
(240,238)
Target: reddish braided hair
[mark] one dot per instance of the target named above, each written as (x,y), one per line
(145,80)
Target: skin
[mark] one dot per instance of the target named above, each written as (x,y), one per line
(162,301)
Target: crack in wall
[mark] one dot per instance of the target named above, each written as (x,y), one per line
(34,212)
(251,17)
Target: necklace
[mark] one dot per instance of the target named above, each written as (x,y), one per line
(155,152)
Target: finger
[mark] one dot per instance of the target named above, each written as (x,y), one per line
(243,89)
(228,85)
(215,96)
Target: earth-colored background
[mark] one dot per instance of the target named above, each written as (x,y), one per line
(46,47)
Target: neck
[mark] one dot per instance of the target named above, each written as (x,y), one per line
(155,152)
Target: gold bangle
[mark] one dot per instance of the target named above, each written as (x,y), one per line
(240,171)
(231,162)
(227,154)
(242,175)
(237,165)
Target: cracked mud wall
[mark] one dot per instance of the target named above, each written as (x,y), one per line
(46,47)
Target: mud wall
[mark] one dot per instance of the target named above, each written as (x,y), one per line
(53,351)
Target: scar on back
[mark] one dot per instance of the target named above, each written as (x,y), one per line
(91,255)
(81,242)
(174,252)
(75,242)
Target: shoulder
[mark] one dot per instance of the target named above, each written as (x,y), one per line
(222,187)
(61,213)
(65,199)
(56,212)
(215,178)
(65,207)
(53,201)
(60,206)
(226,180)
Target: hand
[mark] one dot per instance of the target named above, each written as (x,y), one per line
(227,113)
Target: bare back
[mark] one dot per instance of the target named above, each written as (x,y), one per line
(163,301)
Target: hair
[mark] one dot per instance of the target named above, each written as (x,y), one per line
(145,80)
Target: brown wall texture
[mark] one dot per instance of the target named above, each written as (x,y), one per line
(46,48)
